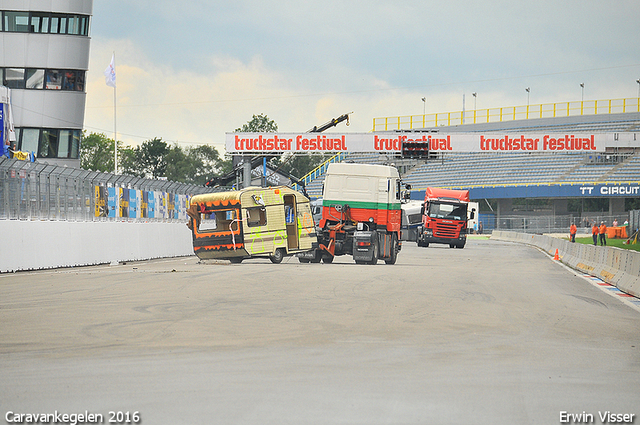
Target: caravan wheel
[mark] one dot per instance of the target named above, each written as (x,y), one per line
(277,256)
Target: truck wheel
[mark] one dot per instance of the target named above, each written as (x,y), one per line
(303,260)
(460,246)
(277,256)
(327,260)
(236,260)
(318,257)
(451,245)
(394,252)
(374,260)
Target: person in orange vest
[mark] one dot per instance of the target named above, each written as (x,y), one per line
(603,234)
(572,232)
(594,233)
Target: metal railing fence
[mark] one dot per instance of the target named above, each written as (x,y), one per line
(510,113)
(557,223)
(39,191)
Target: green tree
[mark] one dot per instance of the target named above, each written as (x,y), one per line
(258,124)
(96,152)
(128,164)
(151,157)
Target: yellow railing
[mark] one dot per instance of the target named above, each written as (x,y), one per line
(509,113)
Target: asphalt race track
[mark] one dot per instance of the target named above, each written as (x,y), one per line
(496,333)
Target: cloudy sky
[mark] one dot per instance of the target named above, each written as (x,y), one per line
(190,71)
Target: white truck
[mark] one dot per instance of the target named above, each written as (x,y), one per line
(361,214)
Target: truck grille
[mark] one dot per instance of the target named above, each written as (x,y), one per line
(446,230)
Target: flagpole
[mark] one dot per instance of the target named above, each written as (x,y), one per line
(115,133)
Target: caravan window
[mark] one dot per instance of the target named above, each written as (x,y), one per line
(256,216)
(219,221)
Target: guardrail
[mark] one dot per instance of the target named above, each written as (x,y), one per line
(39,191)
(510,113)
(615,266)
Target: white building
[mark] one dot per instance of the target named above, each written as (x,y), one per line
(44,58)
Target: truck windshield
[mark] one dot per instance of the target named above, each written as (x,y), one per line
(448,211)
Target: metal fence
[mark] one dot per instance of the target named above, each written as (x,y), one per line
(557,223)
(511,113)
(39,191)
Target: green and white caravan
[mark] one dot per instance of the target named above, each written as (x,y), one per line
(268,222)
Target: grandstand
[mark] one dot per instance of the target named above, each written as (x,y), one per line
(521,175)
(468,170)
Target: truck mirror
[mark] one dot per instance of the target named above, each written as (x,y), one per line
(407,186)
(473,213)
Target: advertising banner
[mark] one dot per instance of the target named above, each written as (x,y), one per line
(100,201)
(151,206)
(171,205)
(133,204)
(553,191)
(250,143)
(144,204)
(112,201)
(124,202)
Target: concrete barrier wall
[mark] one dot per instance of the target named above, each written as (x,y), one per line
(33,245)
(615,266)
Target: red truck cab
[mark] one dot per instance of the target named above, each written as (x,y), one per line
(444,217)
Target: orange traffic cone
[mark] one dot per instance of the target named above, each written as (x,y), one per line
(556,257)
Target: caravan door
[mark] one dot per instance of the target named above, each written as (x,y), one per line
(290,215)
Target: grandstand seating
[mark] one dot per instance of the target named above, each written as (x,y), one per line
(466,170)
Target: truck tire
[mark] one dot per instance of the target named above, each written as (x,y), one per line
(236,260)
(394,251)
(374,259)
(277,256)
(327,259)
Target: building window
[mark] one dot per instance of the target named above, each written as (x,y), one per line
(49,143)
(68,144)
(39,22)
(29,142)
(14,78)
(37,79)
(45,23)
(16,21)
(54,80)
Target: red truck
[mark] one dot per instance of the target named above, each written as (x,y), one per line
(444,217)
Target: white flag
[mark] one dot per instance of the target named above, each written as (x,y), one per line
(110,73)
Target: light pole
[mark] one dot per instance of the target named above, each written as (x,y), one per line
(528,90)
(638,81)
(424,107)
(582,87)
(475,95)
